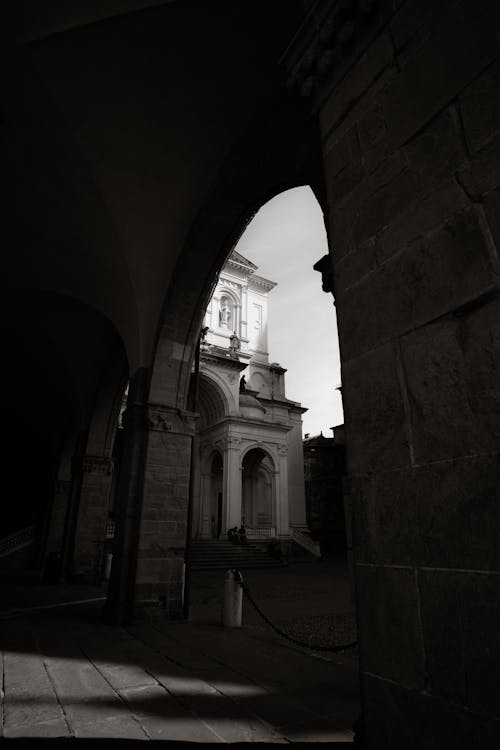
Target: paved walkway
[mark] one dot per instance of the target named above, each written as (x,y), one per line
(65,674)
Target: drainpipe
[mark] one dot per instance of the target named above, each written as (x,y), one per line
(187,552)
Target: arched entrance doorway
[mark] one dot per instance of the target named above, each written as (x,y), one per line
(258,492)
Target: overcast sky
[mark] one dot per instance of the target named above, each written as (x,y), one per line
(285,238)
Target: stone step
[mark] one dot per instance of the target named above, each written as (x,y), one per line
(221,554)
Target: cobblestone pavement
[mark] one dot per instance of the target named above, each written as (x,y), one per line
(65,674)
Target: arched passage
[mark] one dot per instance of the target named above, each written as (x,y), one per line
(258,490)
(65,366)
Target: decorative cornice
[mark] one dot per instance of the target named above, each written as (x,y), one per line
(228,443)
(261,283)
(239,261)
(327,34)
(222,358)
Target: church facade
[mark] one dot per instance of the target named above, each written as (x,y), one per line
(249,468)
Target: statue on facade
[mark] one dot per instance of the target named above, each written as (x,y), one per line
(234,345)
(225,312)
(203,334)
(243,383)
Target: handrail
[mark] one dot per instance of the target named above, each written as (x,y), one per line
(306,542)
(17,540)
(264,532)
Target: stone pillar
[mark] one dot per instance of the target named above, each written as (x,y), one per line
(163,525)
(151,513)
(406,96)
(119,606)
(92,516)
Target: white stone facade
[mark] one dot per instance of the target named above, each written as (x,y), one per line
(249,439)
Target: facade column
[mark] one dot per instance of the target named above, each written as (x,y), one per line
(281,480)
(204,526)
(232,484)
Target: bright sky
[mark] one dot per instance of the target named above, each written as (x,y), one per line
(284,239)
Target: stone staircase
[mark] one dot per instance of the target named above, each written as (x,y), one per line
(219,554)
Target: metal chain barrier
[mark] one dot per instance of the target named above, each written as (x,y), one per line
(331,649)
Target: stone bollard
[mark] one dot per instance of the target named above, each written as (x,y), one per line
(233,599)
(108,559)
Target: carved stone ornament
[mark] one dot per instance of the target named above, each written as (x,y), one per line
(97,465)
(158,421)
(283,449)
(228,443)
(165,419)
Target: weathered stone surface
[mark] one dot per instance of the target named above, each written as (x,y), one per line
(30,706)
(448,367)
(450,268)
(482,174)
(421,217)
(343,168)
(480,107)
(345,94)
(411,23)
(481,346)
(396,718)
(373,204)
(491,203)
(458,513)
(461,638)
(471,36)
(446,514)
(372,133)
(389,624)
(163,717)
(355,265)
(376,435)
(385,529)
(435,154)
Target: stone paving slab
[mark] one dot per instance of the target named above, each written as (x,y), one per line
(70,678)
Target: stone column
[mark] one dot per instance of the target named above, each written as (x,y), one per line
(163,526)
(281,478)
(148,572)
(204,526)
(119,607)
(232,483)
(92,515)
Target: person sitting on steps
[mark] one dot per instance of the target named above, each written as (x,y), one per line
(242,534)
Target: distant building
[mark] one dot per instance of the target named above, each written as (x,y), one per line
(249,463)
(324,468)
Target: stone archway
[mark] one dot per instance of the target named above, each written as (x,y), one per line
(258,494)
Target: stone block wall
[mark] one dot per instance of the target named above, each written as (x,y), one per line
(163,524)
(92,516)
(407,96)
